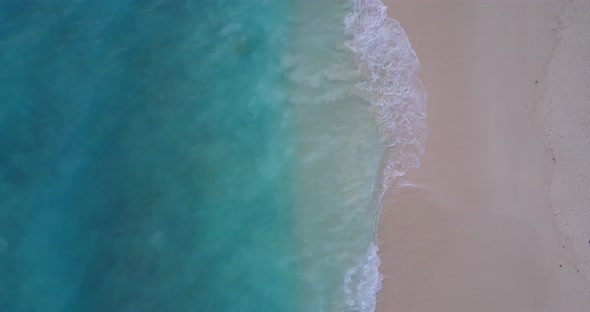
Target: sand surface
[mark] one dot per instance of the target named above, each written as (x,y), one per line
(500,220)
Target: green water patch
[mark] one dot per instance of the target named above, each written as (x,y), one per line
(338,154)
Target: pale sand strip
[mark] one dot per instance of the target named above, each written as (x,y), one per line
(498,225)
(565,111)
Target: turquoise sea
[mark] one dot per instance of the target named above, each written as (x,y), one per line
(199,155)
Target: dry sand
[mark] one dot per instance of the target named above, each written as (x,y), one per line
(501,219)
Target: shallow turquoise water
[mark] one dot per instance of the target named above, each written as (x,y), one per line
(183,156)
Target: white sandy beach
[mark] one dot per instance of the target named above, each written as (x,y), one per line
(501,218)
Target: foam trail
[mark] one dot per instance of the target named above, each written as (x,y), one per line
(390,67)
(363,282)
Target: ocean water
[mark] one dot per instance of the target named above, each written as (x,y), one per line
(208,155)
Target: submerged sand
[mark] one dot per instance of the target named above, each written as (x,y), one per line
(500,219)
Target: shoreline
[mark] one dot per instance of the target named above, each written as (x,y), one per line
(485,231)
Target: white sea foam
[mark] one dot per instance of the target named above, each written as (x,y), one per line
(390,67)
(362,282)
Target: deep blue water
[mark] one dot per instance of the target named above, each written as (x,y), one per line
(145,157)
